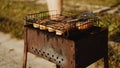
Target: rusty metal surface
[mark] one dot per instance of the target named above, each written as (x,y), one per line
(54,49)
(79,49)
(25,48)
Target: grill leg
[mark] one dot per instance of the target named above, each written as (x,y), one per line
(25,49)
(25,58)
(106,63)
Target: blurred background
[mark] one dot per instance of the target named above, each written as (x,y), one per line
(13,12)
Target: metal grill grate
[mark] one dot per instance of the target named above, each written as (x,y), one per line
(61,24)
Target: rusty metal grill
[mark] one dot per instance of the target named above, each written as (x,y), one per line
(73,49)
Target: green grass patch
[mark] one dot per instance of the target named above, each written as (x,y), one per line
(12,15)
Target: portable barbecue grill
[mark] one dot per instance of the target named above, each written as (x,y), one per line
(67,42)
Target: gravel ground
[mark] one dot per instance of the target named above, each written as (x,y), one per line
(11,55)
